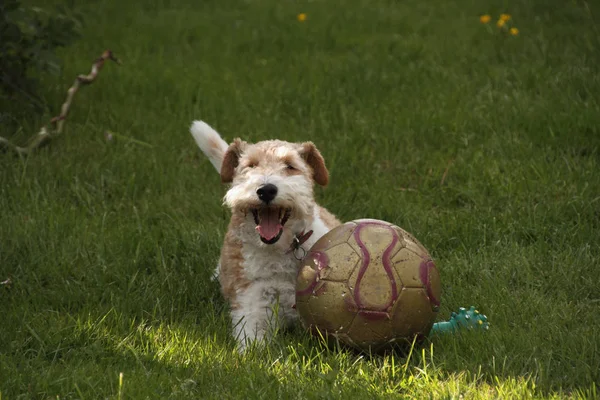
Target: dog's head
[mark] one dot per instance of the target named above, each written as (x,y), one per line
(271,190)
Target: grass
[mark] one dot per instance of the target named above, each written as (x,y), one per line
(485,146)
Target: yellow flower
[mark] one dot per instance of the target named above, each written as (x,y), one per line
(484,19)
(500,23)
(514,31)
(301,17)
(505,17)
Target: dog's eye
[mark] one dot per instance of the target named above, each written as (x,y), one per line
(290,167)
(252,165)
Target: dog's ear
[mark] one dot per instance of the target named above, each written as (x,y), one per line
(231,160)
(315,160)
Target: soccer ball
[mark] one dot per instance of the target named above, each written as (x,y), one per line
(369,284)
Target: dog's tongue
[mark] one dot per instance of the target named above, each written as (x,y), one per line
(269,226)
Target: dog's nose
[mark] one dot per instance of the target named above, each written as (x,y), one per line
(267,192)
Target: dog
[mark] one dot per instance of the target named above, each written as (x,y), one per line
(274,221)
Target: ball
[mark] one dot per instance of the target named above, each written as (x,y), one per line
(369,284)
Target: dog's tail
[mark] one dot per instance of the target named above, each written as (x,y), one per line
(210,143)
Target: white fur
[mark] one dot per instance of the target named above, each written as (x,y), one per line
(210,142)
(271,269)
(268,303)
(318,227)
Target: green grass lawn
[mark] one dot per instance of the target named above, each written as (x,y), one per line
(486,146)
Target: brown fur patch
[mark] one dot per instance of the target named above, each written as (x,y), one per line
(328,218)
(231,275)
(315,160)
(231,160)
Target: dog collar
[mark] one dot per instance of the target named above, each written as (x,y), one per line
(297,242)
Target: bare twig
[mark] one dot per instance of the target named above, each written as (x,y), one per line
(44,136)
(6,145)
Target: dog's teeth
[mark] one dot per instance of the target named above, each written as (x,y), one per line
(255,215)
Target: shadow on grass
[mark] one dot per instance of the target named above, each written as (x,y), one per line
(185,350)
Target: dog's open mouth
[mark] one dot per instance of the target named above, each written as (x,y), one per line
(270,222)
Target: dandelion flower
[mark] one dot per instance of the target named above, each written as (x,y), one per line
(484,19)
(500,23)
(505,17)
(514,31)
(301,17)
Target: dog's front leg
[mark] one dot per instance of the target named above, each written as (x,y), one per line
(249,325)
(258,314)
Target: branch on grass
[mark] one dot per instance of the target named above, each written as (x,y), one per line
(44,136)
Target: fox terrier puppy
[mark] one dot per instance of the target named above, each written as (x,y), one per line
(274,221)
